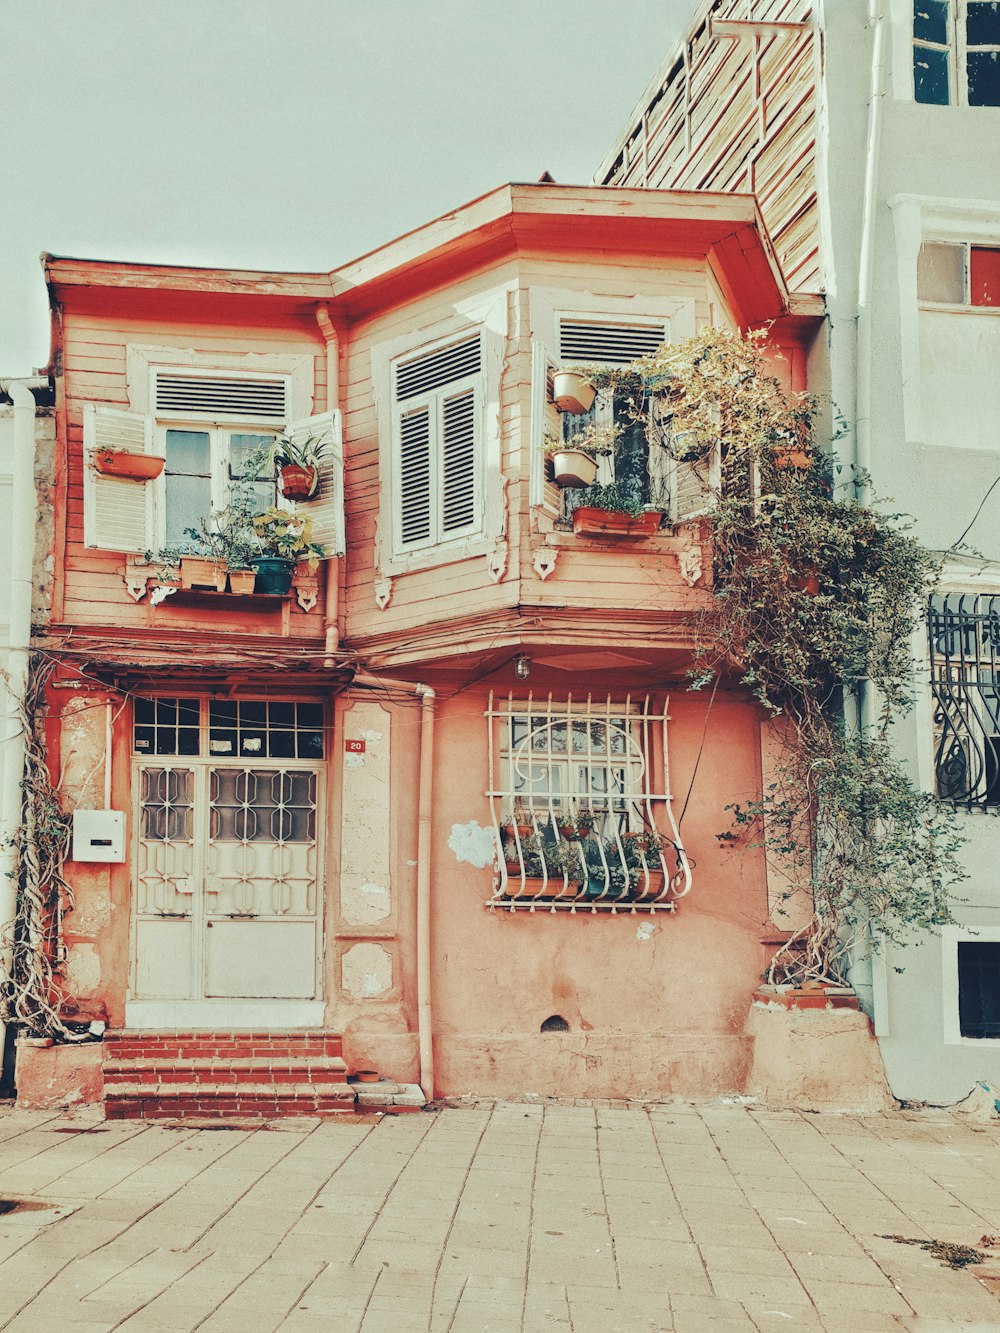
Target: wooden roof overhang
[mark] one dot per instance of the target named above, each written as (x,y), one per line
(725,231)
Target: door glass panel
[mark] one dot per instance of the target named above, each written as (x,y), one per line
(166,833)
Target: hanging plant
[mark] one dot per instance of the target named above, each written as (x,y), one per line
(814,600)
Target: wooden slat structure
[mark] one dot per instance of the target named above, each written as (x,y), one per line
(735,108)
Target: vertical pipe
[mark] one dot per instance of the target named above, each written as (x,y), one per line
(331,609)
(425,809)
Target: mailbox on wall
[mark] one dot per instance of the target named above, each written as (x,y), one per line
(98,835)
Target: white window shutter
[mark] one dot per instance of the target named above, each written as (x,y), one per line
(414,494)
(459,464)
(694,487)
(117,511)
(326,507)
(545,420)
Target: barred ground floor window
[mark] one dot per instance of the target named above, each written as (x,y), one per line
(581,805)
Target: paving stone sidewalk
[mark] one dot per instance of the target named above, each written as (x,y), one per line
(498,1218)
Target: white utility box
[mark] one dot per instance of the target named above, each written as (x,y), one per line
(98,835)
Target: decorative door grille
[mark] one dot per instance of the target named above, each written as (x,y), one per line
(581,817)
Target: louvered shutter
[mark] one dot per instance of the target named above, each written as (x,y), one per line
(117,511)
(414,511)
(459,464)
(694,487)
(546,420)
(183,395)
(607,343)
(326,507)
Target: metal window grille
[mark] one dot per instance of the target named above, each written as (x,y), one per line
(581,808)
(965,683)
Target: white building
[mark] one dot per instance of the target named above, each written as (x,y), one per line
(870,132)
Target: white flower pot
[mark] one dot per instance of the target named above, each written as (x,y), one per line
(571,393)
(572,468)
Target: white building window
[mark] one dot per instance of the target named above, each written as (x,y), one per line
(437,438)
(958,273)
(581,806)
(956,52)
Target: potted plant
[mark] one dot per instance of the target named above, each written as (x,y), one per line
(544,869)
(574,459)
(643,856)
(297,464)
(607,511)
(279,541)
(124,463)
(572,391)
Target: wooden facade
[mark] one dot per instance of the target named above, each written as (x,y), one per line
(596,620)
(736,106)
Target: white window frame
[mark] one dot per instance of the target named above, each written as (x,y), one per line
(925,218)
(145,360)
(486,314)
(548,307)
(957,49)
(951,937)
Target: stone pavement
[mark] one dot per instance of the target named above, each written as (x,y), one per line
(494,1218)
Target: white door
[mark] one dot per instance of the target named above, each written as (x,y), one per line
(227,881)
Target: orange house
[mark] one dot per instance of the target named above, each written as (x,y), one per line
(448,801)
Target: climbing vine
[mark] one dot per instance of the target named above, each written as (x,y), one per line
(43,895)
(814,601)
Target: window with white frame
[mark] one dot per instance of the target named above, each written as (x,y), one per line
(643,471)
(958,273)
(581,806)
(437,445)
(206,425)
(956,52)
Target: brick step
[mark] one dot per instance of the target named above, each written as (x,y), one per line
(136,1044)
(192,1100)
(315,1068)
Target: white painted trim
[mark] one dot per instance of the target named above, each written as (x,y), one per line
(194,1014)
(917,218)
(142,359)
(547,305)
(901,20)
(486,313)
(951,936)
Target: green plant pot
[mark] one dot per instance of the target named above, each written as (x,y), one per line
(274,574)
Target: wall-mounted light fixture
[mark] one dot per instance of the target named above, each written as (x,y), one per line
(522,666)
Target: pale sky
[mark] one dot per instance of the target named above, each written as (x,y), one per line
(290,134)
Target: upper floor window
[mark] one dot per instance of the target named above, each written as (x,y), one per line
(956,52)
(437,439)
(206,426)
(958,273)
(964,634)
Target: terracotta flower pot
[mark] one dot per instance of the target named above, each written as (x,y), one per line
(242,581)
(198,571)
(571,467)
(297,483)
(590,522)
(121,463)
(571,392)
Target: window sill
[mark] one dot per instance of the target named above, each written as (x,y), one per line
(547,906)
(141,579)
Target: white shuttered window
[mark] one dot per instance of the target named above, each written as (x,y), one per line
(438,446)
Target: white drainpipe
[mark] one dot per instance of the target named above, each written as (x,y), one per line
(22,545)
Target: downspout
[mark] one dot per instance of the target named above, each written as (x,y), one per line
(22,546)
(425,815)
(866,257)
(331,609)
(864,969)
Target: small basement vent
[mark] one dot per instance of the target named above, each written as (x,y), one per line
(215,396)
(611,343)
(429,372)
